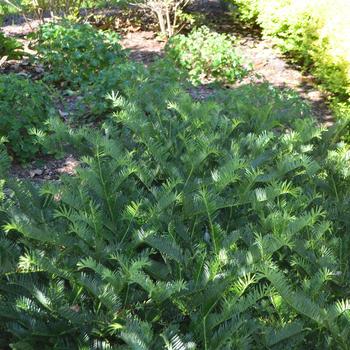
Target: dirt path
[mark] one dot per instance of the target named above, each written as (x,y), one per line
(143,45)
(270,64)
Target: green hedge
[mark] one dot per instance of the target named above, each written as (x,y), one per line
(313,31)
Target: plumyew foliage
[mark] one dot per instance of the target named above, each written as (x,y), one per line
(25,105)
(219,224)
(189,225)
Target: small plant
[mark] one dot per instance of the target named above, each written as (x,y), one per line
(24,105)
(147,86)
(206,54)
(75,53)
(10,47)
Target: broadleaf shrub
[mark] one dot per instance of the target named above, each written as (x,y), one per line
(57,7)
(207,54)
(24,105)
(75,53)
(133,80)
(10,47)
(192,225)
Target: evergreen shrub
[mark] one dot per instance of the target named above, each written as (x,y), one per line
(189,225)
(314,32)
(24,105)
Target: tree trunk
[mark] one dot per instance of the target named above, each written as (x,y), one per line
(161,22)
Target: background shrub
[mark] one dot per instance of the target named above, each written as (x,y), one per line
(57,7)
(75,53)
(313,31)
(206,54)
(149,87)
(117,79)
(10,47)
(24,105)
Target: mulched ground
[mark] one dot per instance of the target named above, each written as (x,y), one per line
(143,45)
(52,169)
(141,39)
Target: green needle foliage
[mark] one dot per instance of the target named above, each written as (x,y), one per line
(24,105)
(132,80)
(189,225)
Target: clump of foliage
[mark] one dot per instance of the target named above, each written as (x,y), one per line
(75,53)
(10,47)
(117,79)
(207,54)
(57,7)
(4,159)
(24,105)
(133,80)
(189,225)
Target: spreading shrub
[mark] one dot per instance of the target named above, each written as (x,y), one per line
(117,79)
(75,53)
(4,159)
(24,105)
(314,31)
(10,47)
(192,225)
(150,87)
(207,54)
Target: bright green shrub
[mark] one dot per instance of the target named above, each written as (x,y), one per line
(58,7)
(248,10)
(190,226)
(314,31)
(206,54)
(10,47)
(24,105)
(75,53)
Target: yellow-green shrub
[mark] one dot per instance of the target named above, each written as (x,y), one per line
(316,32)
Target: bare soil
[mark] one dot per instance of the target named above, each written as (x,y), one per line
(51,170)
(143,45)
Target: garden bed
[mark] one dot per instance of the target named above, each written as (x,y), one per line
(181,195)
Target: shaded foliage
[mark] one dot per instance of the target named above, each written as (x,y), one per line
(190,225)
(24,105)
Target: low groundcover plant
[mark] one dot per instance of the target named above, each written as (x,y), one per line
(189,225)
